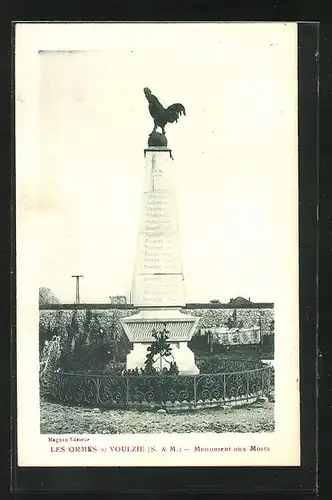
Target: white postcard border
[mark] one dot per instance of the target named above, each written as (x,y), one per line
(33,448)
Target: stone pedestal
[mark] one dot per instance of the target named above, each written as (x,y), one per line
(158,286)
(180,327)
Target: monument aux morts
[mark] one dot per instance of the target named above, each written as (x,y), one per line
(158,284)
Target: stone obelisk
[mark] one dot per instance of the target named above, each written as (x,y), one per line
(158,285)
(158,277)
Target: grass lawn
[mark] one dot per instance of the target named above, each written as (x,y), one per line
(61,419)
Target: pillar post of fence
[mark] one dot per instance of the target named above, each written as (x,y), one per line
(269,379)
(195,390)
(224,386)
(127,389)
(97,390)
(247,373)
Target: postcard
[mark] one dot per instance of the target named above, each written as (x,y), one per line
(157,244)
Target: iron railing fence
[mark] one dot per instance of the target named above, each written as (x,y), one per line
(159,390)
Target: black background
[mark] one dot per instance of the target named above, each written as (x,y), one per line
(210,480)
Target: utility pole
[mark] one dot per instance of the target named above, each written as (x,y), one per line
(77,276)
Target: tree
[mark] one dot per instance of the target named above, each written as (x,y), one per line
(46,296)
(85,347)
(73,331)
(232,321)
(117,349)
(149,362)
(68,340)
(85,337)
(45,334)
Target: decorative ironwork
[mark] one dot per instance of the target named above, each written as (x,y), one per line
(149,391)
(111,391)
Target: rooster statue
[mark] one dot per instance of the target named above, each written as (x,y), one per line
(160,115)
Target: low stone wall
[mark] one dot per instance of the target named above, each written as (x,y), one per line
(210,318)
(52,321)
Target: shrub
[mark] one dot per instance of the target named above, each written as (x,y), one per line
(114,368)
(217,365)
(172,370)
(85,348)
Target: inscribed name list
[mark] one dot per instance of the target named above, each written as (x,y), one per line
(159,274)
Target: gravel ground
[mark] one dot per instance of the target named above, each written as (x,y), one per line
(61,419)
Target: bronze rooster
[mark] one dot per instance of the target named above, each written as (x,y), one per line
(160,115)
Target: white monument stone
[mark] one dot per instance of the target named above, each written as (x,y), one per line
(159,287)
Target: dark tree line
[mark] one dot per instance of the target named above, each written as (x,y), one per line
(46,296)
(88,347)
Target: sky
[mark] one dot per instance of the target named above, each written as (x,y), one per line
(235,156)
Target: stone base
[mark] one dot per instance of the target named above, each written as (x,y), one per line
(182,355)
(180,328)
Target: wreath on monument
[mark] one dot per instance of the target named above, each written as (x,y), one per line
(159,350)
